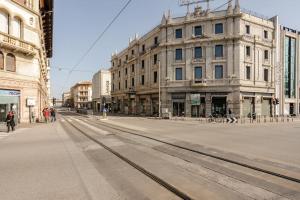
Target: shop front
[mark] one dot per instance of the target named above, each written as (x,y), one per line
(179,104)
(219,106)
(197,105)
(9,101)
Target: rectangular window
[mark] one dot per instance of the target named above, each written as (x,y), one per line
(266,55)
(132,68)
(198,53)
(247,29)
(143,79)
(143,48)
(266,34)
(248,51)
(126,71)
(156,40)
(248,72)
(155,77)
(198,30)
(266,75)
(218,28)
(113,87)
(126,57)
(132,82)
(119,74)
(219,51)
(113,76)
(155,59)
(178,75)
(178,33)
(178,55)
(143,64)
(132,52)
(125,84)
(119,86)
(198,73)
(218,71)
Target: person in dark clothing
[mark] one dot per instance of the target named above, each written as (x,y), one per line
(10,121)
(53,115)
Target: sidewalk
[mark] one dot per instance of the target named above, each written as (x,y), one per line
(41,162)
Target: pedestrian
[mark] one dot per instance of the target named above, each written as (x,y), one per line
(53,115)
(10,121)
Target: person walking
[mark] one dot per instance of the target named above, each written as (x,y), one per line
(10,121)
(53,115)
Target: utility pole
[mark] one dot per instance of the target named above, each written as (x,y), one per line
(159,98)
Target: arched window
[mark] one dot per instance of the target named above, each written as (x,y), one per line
(1,61)
(16,23)
(4,21)
(10,62)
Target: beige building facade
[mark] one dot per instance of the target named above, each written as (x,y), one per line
(207,62)
(101,88)
(81,95)
(25,49)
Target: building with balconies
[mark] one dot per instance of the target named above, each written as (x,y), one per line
(81,95)
(204,63)
(25,49)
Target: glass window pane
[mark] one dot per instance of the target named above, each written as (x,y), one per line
(178,54)
(10,63)
(219,50)
(248,72)
(218,72)
(1,61)
(178,74)
(198,30)
(198,72)
(266,75)
(218,28)
(198,52)
(178,33)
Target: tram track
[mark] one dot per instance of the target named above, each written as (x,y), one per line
(231,161)
(141,169)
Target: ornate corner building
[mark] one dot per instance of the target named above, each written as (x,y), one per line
(25,48)
(207,62)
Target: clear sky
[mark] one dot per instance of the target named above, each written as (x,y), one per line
(77,24)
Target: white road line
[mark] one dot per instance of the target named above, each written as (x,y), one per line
(98,130)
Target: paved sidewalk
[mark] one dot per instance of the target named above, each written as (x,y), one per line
(41,162)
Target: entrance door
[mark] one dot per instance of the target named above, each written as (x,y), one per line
(3,111)
(292,109)
(178,109)
(219,106)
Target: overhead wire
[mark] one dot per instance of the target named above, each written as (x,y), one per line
(96,41)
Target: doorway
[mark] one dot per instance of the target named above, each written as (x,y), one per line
(178,109)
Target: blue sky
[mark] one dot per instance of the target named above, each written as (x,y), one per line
(78,23)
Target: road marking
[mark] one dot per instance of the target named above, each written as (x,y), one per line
(62,120)
(98,130)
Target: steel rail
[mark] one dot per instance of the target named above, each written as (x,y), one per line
(118,128)
(155,178)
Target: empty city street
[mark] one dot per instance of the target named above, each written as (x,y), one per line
(139,158)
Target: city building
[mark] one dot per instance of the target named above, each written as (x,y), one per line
(67,100)
(81,95)
(26,46)
(101,91)
(287,72)
(204,63)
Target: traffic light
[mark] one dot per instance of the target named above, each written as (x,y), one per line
(54,101)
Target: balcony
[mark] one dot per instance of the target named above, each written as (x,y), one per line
(15,44)
(154,46)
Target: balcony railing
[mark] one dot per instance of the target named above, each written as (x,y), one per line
(16,44)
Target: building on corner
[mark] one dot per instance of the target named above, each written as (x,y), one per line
(81,95)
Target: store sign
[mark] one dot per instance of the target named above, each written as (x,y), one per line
(195,99)
(9,93)
(30,102)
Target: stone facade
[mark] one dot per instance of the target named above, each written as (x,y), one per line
(208,63)
(81,95)
(26,46)
(101,90)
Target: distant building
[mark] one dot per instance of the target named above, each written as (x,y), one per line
(101,85)
(67,100)
(25,49)
(81,94)
(206,62)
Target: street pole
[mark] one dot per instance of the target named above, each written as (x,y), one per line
(159,101)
